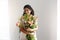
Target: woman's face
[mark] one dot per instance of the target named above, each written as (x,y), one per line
(26,10)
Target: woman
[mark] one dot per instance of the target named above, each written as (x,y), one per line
(29,11)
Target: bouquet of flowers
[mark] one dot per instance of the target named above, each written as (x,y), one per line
(28,21)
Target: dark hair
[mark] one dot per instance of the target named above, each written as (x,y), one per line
(29,7)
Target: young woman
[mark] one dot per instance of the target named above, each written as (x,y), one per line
(29,11)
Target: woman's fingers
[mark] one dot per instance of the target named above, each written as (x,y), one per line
(23,30)
(17,24)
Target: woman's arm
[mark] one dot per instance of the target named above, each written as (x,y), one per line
(24,30)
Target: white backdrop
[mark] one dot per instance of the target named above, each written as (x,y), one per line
(4,20)
(46,10)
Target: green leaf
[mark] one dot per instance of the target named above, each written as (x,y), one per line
(33,26)
(30,37)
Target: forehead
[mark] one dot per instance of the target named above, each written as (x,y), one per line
(26,9)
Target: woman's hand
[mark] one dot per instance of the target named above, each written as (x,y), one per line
(17,24)
(24,30)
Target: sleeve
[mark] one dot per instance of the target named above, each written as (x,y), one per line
(36,21)
(20,20)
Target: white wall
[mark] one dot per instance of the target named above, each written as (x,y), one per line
(45,10)
(58,20)
(4,20)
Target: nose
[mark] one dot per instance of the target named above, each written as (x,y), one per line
(26,11)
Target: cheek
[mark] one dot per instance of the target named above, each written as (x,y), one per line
(29,11)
